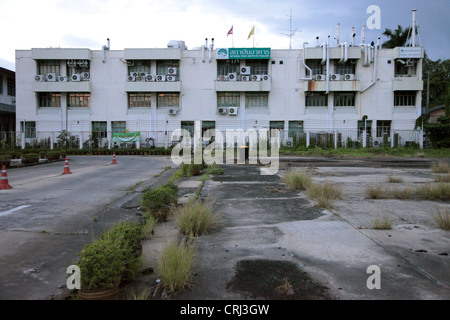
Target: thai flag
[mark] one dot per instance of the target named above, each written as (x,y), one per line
(230,32)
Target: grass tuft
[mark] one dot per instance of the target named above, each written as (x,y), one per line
(324,194)
(297,180)
(382,223)
(442,178)
(442,219)
(195,217)
(440,167)
(375,192)
(394,179)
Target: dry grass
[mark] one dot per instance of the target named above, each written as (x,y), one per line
(375,192)
(442,219)
(442,178)
(382,223)
(297,180)
(440,167)
(439,191)
(195,217)
(325,194)
(394,179)
(403,193)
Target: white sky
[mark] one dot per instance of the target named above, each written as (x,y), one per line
(27,24)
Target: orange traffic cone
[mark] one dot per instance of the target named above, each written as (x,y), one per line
(114,158)
(66,167)
(4,182)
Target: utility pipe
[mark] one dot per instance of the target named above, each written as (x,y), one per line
(328,65)
(304,63)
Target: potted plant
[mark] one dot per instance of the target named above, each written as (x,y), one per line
(158,201)
(30,158)
(5,159)
(195,169)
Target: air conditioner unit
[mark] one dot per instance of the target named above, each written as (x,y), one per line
(130,63)
(82,63)
(232,76)
(51,77)
(62,79)
(335,77)
(320,77)
(39,78)
(256,77)
(265,77)
(223,78)
(233,111)
(173,111)
(245,78)
(172,71)
(131,79)
(134,74)
(409,63)
(170,78)
(143,74)
(140,78)
(85,75)
(71,63)
(160,78)
(150,77)
(76,77)
(349,77)
(245,70)
(222,110)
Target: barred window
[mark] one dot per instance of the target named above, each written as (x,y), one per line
(49,66)
(29,128)
(256,99)
(139,100)
(316,67)
(49,99)
(11,87)
(383,128)
(404,98)
(189,126)
(224,67)
(364,124)
(345,68)
(140,66)
(228,99)
(344,99)
(162,66)
(168,100)
(79,100)
(118,126)
(316,99)
(403,69)
(258,66)
(99,129)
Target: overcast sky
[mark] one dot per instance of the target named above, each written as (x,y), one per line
(27,24)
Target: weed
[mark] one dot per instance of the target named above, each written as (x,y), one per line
(442,219)
(204,177)
(324,194)
(442,178)
(394,179)
(195,217)
(440,167)
(297,180)
(382,223)
(439,191)
(148,228)
(144,295)
(404,193)
(375,192)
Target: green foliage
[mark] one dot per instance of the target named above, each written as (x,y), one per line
(158,198)
(396,38)
(195,217)
(53,155)
(297,180)
(130,232)
(214,169)
(439,133)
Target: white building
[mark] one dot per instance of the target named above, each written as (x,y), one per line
(340,88)
(7,100)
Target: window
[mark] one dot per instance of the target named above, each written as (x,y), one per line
(163,66)
(168,100)
(99,129)
(405,68)
(404,98)
(368,125)
(139,100)
(11,87)
(344,99)
(49,99)
(29,128)
(224,67)
(140,66)
(1,84)
(383,128)
(228,99)
(316,67)
(118,126)
(189,126)
(208,125)
(79,100)
(295,128)
(49,66)
(256,99)
(258,66)
(316,99)
(345,68)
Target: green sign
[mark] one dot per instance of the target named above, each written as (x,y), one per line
(243,53)
(126,136)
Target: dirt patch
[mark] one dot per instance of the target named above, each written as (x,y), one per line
(275,280)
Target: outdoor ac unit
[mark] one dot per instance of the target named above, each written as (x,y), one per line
(320,77)
(232,76)
(62,79)
(409,63)
(245,70)
(349,77)
(85,75)
(172,71)
(256,77)
(170,78)
(223,110)
(173,111)
(134,74)
(143,74)
(82,63)
(140,78)
(265,77)
(51,77)
(76,77)
(233,111)
(335,77)
(223,78)
(39,78)
(131,79)
(160,78)
(150,77)
(71,63)
(245,78)
(130,63)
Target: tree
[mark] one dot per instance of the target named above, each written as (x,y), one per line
(438,73)
(397,38)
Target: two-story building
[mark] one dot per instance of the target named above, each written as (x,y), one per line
(7,101)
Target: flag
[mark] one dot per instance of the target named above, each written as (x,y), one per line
(252,33)
(230,32)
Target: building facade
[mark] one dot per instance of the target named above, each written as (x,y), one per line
(349,91)
(7,101)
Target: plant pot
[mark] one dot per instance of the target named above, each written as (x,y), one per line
(195,172)
(99,294)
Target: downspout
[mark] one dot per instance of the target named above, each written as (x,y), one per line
(345,52)
(324,53)
(328,65)
(374,78)
(210,49)
(304,64)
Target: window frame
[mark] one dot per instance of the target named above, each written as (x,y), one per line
(145,99)
(400,97)
(313,99)
(85,97)
(258,99)
(172,97)
(344,99)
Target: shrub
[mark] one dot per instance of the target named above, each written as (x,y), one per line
(30,158)
(175,266)
(53,155)
(130,232)
(157,200)
(172,186)
(195,217)
(324,194)
(5,159)
(297,180)
(442,219)
(214,169)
